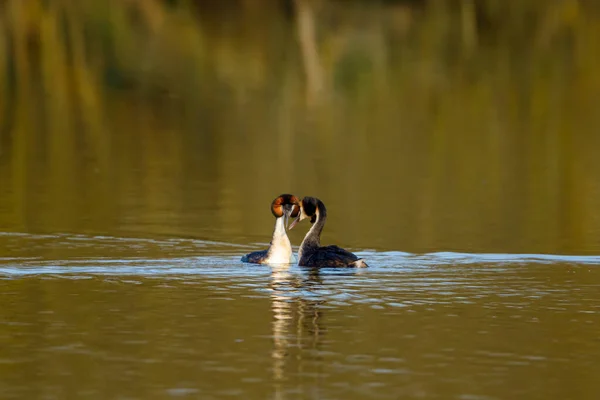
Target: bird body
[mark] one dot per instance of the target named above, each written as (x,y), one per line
(280,248)
(311,253)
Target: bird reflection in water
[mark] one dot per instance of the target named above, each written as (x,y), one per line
(296,317)
(299,329)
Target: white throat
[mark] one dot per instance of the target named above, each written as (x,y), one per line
(280,251)
(308,234)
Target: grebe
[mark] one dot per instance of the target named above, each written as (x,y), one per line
(311,254)
(280,248)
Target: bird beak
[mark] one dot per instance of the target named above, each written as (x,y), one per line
(286,219)
(294,222)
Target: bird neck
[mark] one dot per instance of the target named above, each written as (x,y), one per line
(312,240)
(280,249)
(280,236)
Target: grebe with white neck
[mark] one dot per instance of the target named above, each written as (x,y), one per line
(311,253)
(280,248)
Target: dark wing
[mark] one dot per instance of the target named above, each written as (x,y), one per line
(331,257)
(256,257)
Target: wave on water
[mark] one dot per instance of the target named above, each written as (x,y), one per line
(58,254)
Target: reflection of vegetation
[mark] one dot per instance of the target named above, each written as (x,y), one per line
(476,106)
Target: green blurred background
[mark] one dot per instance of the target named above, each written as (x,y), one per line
(467,125)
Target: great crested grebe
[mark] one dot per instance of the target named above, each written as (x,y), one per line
(311,253)
(280,248)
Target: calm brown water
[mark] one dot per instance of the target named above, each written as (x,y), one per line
(194,322)
(456,149)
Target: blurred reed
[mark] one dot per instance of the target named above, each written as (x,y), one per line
(467,117)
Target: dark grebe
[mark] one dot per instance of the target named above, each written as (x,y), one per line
(311,254)
(280,248)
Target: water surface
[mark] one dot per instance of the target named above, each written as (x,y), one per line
(455,144)
(96,317)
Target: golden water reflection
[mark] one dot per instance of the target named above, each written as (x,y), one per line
(423,128)
(208,326)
